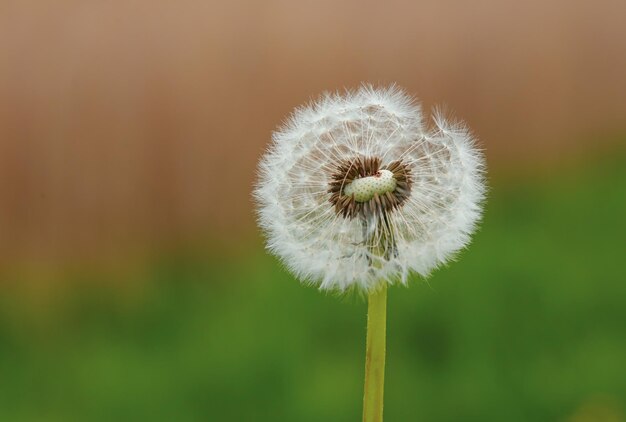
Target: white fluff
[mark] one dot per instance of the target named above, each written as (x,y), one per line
(322,248)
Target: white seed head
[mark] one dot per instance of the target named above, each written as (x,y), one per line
(355,191)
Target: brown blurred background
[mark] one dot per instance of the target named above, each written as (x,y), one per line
(127,126)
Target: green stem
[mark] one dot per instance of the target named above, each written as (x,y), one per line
(375,356)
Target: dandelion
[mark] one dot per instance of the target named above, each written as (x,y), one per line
(356,193)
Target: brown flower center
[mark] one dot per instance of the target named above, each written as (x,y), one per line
(362,187)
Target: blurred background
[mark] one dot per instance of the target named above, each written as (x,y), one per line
(133,281)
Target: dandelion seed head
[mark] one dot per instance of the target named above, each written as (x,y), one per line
(355,190)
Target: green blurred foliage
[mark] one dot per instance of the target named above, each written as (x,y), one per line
(530,325)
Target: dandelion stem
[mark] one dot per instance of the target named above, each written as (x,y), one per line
(375,355)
